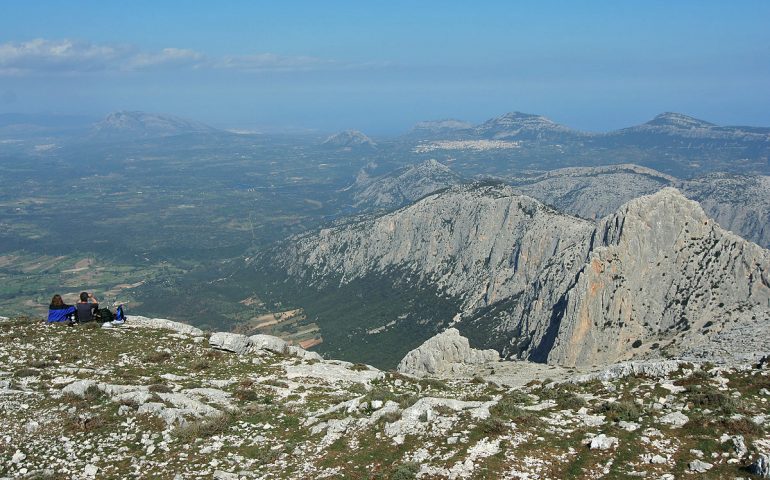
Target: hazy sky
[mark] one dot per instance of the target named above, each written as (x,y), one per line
(382,66)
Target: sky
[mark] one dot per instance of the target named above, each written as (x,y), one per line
(382,66)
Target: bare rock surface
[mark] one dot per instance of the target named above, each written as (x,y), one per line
(183,328)
(127,402)
(658,277)
(444,353)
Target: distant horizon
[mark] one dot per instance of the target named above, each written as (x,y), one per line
(300,130)
(378,67)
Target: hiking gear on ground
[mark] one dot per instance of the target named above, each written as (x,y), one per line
(120,316)
(104,315)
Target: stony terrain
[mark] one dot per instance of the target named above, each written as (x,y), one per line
(740,203)
(656,278)
(151,402)
(401,186)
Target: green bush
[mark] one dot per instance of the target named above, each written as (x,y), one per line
(621,410)
(405,471)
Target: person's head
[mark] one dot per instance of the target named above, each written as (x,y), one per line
(56,301)
(83,296)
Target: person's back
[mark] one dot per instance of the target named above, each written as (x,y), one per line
(58,311)
(86,307)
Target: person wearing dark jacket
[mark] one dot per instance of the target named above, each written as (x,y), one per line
(58,311)
(86,307)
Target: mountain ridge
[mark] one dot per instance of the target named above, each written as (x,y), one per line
(537,283)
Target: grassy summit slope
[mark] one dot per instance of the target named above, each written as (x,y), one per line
(145,403)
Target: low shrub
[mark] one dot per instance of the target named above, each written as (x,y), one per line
(621,410)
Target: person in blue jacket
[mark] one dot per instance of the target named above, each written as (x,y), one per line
(58,311)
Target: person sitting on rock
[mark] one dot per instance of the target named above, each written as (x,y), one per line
(86,307)
(58,311)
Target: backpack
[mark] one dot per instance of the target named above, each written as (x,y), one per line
(104,315)
(120,316)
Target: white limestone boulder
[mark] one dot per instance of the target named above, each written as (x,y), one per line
(444,354)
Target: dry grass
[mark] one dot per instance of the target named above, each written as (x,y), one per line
(204,428)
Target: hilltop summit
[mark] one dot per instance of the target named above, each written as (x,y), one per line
(349,139)
(136,124)
(678,120)
(524,126)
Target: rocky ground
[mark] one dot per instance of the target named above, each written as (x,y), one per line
(153,399)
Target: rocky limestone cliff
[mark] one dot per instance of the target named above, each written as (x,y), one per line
(740,203)
(443,354)
(478,243)
(654,278)
(592,192)
(659,269)
(402,186)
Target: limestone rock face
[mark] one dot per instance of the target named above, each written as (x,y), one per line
(592,192)
(162,323)
(231,342)
(402,186)
(479,243)
(740,203)
(658,274)
(659,266)
(442,353)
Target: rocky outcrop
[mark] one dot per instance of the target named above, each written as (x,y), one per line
(231,342)
(241,344)
(657,275)
(442,354)
(740,203)
(659,269)
(592,192)
(162,323)
(402,186)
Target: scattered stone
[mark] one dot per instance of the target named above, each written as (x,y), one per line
(674,419)
(761,466)
(18,457)
(603,442)
(699,466)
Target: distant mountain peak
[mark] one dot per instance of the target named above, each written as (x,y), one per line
(140,124)
(678,120)
(349,139)
(526,126)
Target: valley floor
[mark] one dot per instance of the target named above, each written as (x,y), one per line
(138,402)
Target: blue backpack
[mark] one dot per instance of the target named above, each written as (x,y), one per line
(120,316)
